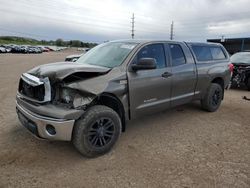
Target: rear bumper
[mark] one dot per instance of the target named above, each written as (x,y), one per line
(45,127)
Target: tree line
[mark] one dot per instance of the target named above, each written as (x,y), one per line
(74,43)
(58,42)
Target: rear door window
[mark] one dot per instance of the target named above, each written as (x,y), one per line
(202,53)
(177,55)
(217,53)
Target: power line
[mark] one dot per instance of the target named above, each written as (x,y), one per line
(64,13)
(54,5)
(102,27)
(86,5)
(155,27)
(24,33)
(180,27)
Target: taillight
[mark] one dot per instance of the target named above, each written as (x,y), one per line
(231,67)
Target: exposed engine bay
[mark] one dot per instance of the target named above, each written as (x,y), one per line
(241,75)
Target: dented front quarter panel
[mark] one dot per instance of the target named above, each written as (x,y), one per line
(113,83)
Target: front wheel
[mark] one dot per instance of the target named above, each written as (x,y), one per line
(213,98)
(97,131)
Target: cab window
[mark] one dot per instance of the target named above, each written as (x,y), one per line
(217,53)
(155,51)
(177,55)
(202,53)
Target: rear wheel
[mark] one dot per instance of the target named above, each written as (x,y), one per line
(213,98)
(97,132)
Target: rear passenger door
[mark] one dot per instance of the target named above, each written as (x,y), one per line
(183,74)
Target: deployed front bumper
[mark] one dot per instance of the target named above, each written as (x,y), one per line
(45,127)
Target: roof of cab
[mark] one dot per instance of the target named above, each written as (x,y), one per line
(204,43)
(140,41)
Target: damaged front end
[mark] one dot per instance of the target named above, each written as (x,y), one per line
(74,92)
(51,83)
(34,89)
(48,106)
(241,75)
(52,97)
(72,98)
(41,91)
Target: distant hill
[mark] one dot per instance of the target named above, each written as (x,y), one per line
(30,41)
(18,40)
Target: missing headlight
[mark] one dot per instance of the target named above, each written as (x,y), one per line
(67,95)
(81,100)
(74,98)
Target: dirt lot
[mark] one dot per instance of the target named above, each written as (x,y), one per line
(182,147)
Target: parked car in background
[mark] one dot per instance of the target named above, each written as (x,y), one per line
(89,102)
(31,50)
(2,49)
(16,49)
(7,48)
(24,49)
(83,49)
(44,49)
(241,72)
(34,49)
(73,58)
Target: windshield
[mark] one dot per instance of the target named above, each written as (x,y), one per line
(110,54)
(242,57)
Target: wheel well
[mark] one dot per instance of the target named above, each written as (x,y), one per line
(219,81)
(114,103)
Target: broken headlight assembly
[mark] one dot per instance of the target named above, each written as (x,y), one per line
(74,98)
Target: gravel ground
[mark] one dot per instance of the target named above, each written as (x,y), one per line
(182,147)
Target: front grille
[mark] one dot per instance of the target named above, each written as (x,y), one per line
(240,66)
(34,92)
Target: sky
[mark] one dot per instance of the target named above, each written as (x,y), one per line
(102,20)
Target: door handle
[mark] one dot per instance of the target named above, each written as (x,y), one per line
(166,74)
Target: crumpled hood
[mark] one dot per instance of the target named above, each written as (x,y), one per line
(60,70)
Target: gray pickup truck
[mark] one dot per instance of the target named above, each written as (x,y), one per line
(89,102)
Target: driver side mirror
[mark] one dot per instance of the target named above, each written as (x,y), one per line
(144,64)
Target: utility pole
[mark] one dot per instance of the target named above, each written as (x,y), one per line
(133,26)
(172,31)
(222,38)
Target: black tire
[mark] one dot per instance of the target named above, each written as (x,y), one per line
(97,131)
(212,100)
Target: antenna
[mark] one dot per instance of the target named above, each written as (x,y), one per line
(133,26)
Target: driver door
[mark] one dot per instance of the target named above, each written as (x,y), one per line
(150,90)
